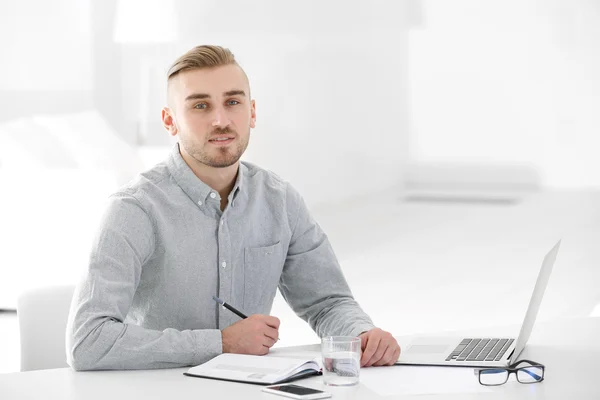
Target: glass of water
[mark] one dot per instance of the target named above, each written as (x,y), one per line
(341,360)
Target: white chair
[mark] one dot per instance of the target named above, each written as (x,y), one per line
(42,315)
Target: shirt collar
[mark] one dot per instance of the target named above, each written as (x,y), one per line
(197,190)
(237,187)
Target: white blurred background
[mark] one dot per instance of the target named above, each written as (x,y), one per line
(443,146)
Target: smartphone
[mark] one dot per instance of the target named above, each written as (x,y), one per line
(297,392)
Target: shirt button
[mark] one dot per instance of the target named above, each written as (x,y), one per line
(223,264)
(213,195)
(222,222)
(200,203)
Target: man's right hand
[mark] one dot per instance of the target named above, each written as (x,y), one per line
(253,335)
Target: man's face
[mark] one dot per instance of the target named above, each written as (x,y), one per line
(211,112)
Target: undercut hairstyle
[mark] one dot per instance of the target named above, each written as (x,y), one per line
(206,56)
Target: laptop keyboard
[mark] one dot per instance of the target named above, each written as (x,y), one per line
(480,350)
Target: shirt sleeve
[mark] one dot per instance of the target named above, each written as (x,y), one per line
(312,281)
(97,336)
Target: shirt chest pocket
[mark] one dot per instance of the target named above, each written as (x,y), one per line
(262,270)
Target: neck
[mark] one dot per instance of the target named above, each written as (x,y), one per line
(219,179)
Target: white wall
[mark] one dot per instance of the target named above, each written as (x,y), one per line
(43,39)
(45,62)
(508,82)
(108,74)
(60,57)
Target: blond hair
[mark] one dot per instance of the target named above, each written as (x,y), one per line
(206,56)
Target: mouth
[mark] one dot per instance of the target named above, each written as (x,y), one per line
(221,140)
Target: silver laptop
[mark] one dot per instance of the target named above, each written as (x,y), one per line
(480,352)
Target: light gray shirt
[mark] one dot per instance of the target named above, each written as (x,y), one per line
(164,248)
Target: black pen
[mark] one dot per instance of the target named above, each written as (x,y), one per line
(230,308)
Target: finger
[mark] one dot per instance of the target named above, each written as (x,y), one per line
(271,333)
(269,342)
(396,356)
(387,356)
(370,349)
(363,348)
(381,349)
(363,341)
(392,353)
(264,350)
(273,322)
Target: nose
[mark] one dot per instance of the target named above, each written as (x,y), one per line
(220,117)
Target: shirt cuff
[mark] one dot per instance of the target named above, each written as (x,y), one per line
(357,330)
(209,344)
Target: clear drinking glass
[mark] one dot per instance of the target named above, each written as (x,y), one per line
(341,360)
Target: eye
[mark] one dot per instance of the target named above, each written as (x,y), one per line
(201,106)
(233,102)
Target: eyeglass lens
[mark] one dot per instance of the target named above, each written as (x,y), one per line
(530,374)
(493,376)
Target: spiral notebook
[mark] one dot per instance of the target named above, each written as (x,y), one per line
(258,370)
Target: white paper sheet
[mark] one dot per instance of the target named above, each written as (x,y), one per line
(413,380)
(301,355)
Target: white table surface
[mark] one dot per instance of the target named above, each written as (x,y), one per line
(569,348)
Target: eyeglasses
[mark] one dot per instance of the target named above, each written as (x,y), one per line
(532,373)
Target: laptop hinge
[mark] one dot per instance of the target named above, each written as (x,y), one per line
(510,355)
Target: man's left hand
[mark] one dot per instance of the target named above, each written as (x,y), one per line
(378,348)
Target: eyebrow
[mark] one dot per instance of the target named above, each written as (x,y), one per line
(198,96)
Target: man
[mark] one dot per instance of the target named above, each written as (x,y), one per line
(202,223)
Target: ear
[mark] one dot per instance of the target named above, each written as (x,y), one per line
(252,114)
(168,119)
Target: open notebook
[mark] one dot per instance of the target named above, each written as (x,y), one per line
(259,370)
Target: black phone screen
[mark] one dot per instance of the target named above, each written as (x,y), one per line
(295,389)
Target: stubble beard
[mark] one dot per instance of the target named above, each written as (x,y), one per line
(226,157)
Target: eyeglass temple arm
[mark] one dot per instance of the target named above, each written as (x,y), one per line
(532,363)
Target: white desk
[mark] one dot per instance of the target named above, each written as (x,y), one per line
(569,349)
